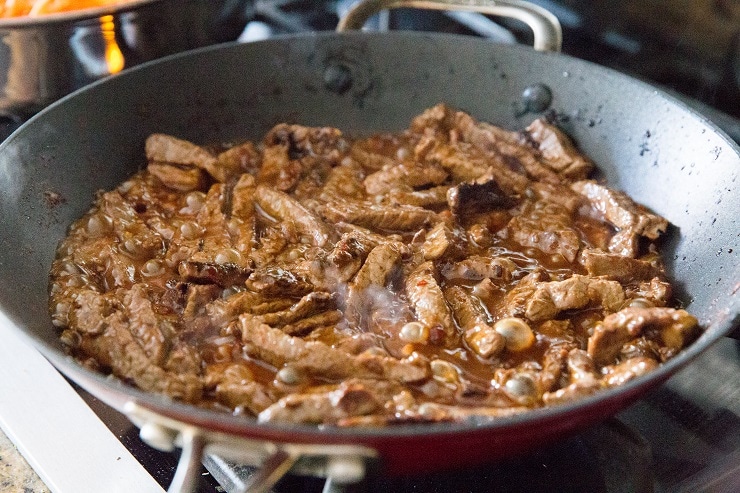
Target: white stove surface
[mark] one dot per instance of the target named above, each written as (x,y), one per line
(62,439)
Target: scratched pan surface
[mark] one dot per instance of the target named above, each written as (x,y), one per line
(644,142)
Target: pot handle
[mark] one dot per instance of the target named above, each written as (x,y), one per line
(548,35)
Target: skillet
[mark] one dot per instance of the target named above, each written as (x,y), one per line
(644,142)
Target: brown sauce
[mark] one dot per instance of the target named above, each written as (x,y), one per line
(284,287)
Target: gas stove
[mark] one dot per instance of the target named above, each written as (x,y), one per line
(683,436)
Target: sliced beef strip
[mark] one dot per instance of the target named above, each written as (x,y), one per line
(673,327)
(378,216)
(312,304)
(168,149)
(581,368)
(554,364)
(626,270)
(431,198)
(207,252)
(473,320)
(619,374)
(180,178)
(436,121)
(409,173)
(198,298)
(429,304)
(303,141)
(304,326)
(444,239)
(572,392)
(477,268)
(559,194)
(224,275)
(153,332)
(285,208)
(551,298)
(477,197)
(632,219)
(512,149)
(276,281)
(656,291)
(442,412)
(348,255)
(119,350)
(135,238)
(293,152)
(558,150)
(546,227)
(242,158)
(366,288)
(243,197)
(344,181)
(332,403)
(235,387)
(318,359)
(90,310)
(465,162)
(515,300)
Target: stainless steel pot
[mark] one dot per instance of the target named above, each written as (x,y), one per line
(645,142)
(44,58)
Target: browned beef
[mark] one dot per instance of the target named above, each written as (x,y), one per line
(429,304)
(633,220)
(477,268)
(167,149)
(630,369)
(311,304)
(377,216)
(558,150)
(673,327)
(316,358)
(180,178)
(343,181)
(224,275)
(366,288)
(431,198)
(477,197)
(241,158)
(546,227)
(551,298)
(308,278)
(274,281)
(284,208)
(332,403)
(472,319)
(465,162)
(443,239)
(348,255)
(234,386)
(617,267)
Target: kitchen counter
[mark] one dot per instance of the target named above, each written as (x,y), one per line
(15,473)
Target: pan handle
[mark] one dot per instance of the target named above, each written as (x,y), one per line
(340,464)
(548,35)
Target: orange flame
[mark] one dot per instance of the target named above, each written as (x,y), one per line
(113,55)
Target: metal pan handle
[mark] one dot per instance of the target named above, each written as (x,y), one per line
(548,35)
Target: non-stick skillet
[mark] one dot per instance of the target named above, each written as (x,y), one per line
(644,142)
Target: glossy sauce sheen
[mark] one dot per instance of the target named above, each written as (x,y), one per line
(171,278)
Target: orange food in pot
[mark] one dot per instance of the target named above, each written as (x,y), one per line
(17,8)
